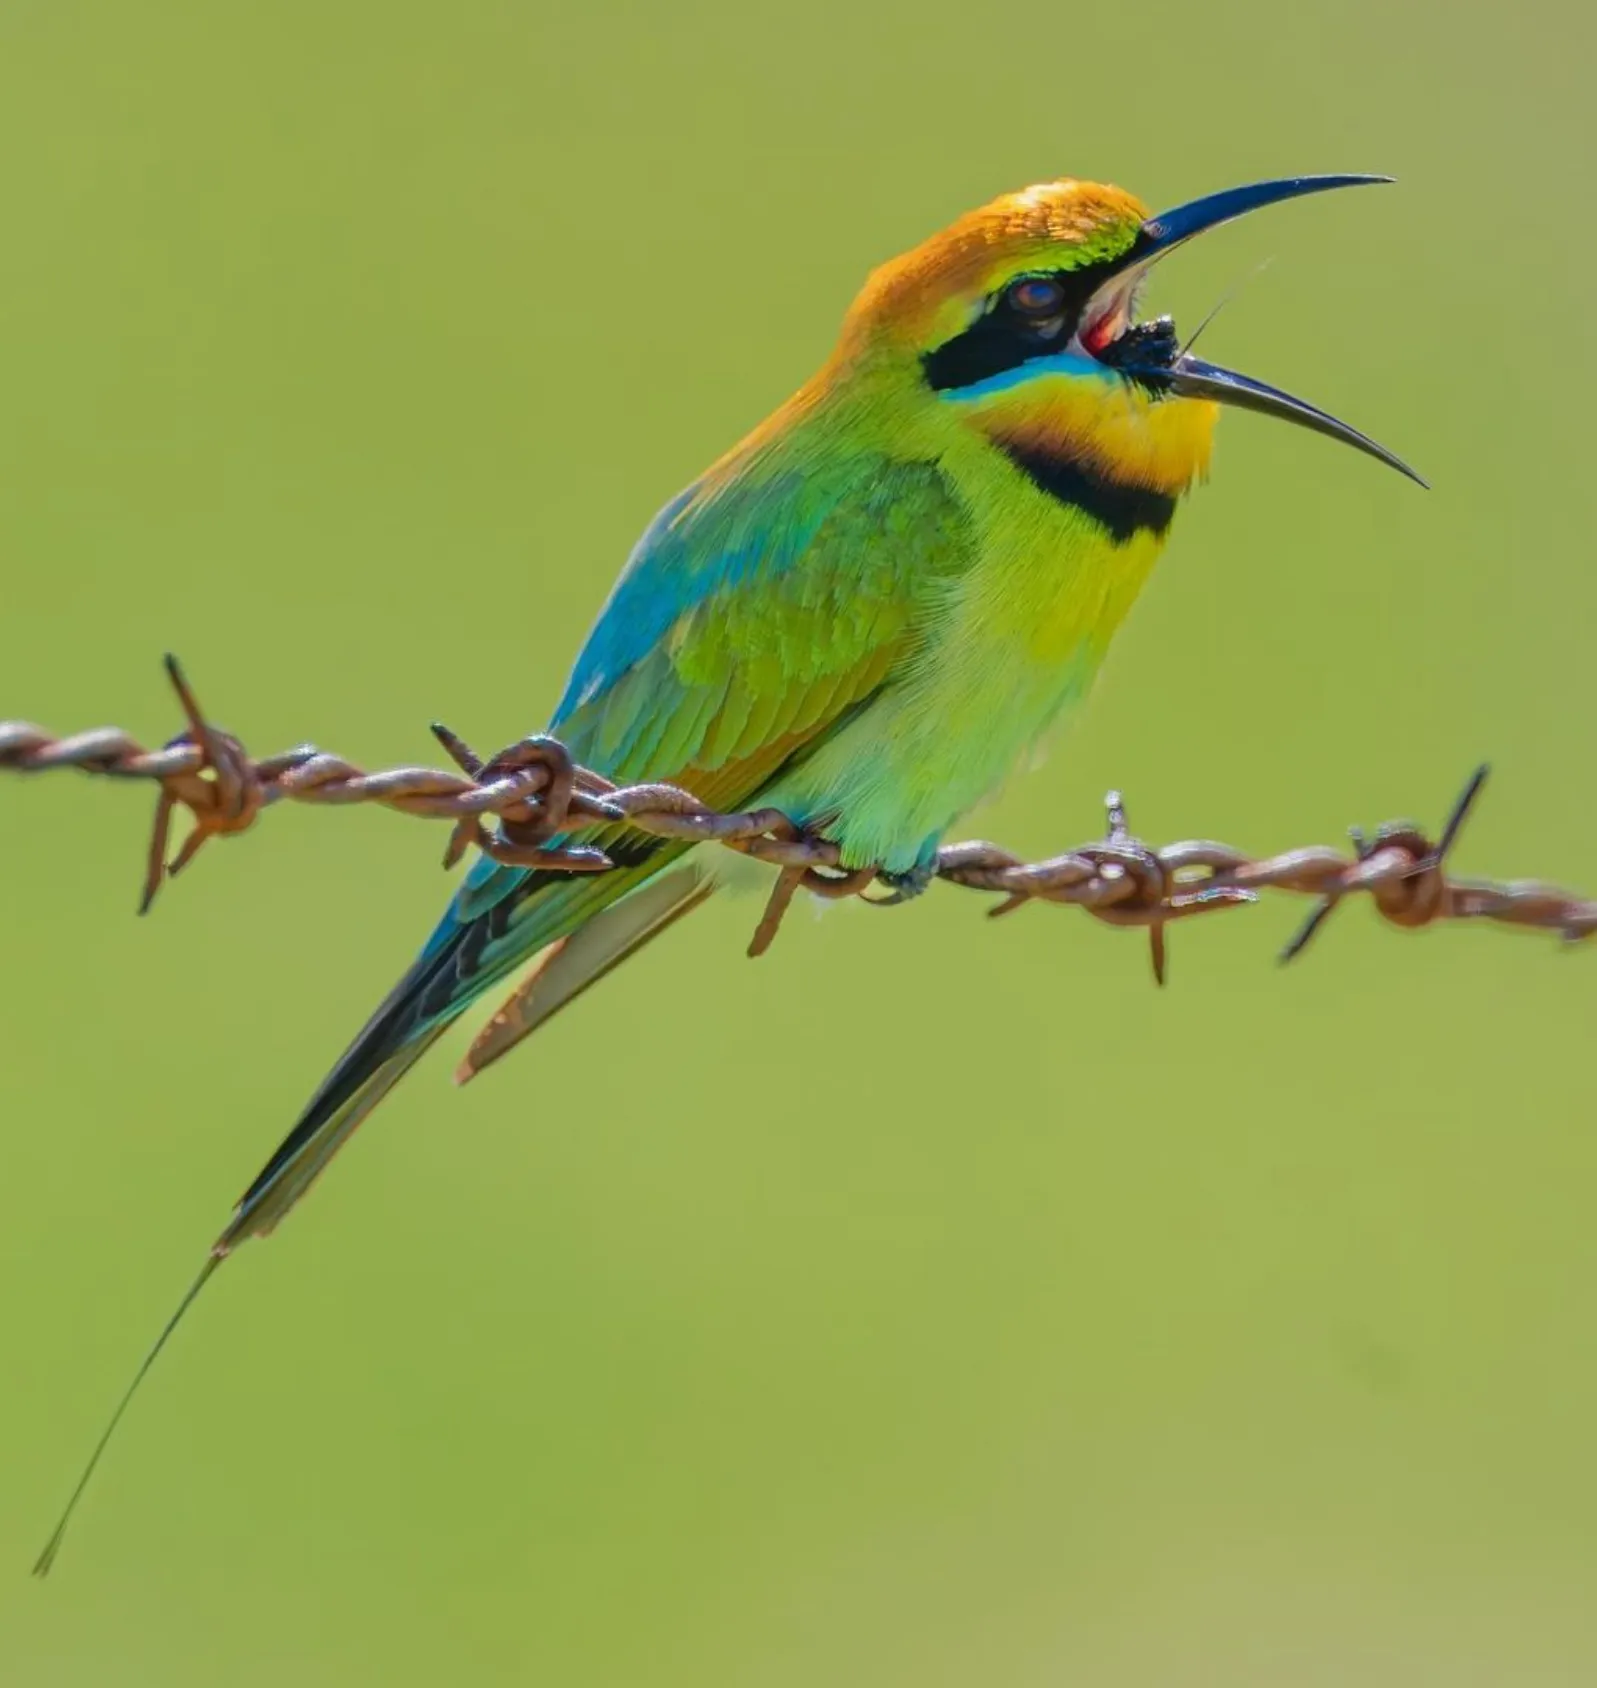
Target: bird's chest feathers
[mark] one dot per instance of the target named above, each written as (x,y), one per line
(1051,590)
(1024,642)
(1059,567)
(1075,484)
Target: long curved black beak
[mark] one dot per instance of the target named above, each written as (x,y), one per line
(1184,376)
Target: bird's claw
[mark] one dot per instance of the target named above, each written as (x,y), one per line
(905,887)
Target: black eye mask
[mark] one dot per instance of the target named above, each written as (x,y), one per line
(1004,336)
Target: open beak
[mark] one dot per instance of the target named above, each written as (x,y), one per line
(1184,376)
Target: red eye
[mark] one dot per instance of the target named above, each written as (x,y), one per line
(1037,296)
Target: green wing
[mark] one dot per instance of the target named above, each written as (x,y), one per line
(752,620)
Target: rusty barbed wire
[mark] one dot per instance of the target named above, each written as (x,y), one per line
(540,796)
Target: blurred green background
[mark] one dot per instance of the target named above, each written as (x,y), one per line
(932,1303)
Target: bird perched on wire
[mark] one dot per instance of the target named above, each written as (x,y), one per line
(863,615)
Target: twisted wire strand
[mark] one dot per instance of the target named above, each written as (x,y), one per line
(539,797)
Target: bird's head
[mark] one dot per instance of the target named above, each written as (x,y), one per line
(1022,319)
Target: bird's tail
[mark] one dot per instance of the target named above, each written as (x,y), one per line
(41,1565)
(246,1221)
(393,1041)
(265,1204)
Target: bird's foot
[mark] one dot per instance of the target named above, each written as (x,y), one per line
(905,887)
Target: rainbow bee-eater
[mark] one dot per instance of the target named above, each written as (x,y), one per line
(863,615)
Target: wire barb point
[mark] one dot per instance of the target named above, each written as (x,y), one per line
(550,813)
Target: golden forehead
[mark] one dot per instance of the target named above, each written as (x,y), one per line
(1052,225)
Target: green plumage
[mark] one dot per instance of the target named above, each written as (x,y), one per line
(765,642)
(861,616)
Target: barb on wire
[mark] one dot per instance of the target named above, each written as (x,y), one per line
(542,800)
